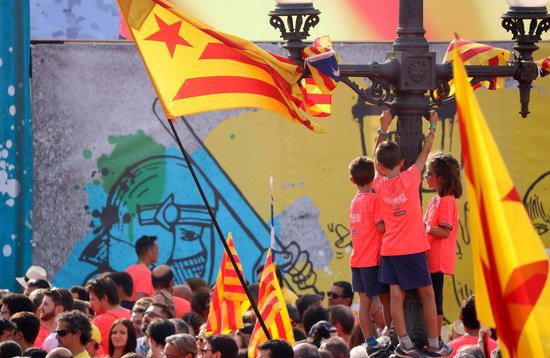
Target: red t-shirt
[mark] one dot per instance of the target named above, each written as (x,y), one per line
(467,340)
(181,306)
(402,213)
(141,276)
(364,214)
(442,211)
(42,334)
(104,322)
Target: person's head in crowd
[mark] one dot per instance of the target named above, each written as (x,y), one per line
(156,311)
(157,332)
(36,297)
(336,346)
(319,331)
(196,283)
(164,297)
(299,335)
(324,354)
(220,346)
(82,306)
(133,355)
(194,321)
(180,345)
(356,338)
(94,343)
(470,351)
(313,315)
(124,283)
(343,319)
(103,294)
(275,348)
(80,293)
(59,352)
(306,301)
(200,302)
(162,278)
(358,352)
(241,338)
(249,317)
(73,331)
(254,289)
(122,338)
(13,303)
(182,291)
(180,325)
(7,328)
(33,273)
(9,349)
(55,302)
(340,294)
(140,306)
(147,250)
(468,315)
(27,327)
(35,284)
(306,350)
(34,352)
(293,314)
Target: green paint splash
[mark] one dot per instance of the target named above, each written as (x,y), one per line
(87,154)
(128,150)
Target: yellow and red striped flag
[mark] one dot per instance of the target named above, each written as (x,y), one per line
(272,306)
(322,62)
(196,68)
(477,54)
(228,295)
(316,103)
(510,263)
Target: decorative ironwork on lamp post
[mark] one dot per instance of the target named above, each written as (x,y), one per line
(408,81)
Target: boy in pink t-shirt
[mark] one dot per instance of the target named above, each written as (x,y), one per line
(441,222)
(403,263)
(366,229)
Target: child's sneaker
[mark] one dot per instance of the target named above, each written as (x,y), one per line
(401,351)
(382,344)
(443,350)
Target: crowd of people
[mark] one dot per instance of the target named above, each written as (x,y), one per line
(141,312)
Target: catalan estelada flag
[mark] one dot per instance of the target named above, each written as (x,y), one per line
(272,307)
(228,295)
(477,54)
(315,103)
(196,68)
(510,263)
(322,62)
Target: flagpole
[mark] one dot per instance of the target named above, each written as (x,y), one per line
(218,229)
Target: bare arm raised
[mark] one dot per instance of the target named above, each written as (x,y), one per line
(428,141)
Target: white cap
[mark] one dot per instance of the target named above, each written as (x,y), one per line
(33,273)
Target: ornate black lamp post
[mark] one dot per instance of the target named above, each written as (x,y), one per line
(410,77)
(408,81)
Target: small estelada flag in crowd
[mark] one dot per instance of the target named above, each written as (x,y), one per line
(228,296)
(322,62)
(272,307)
(477,54)
(510,262)
(315,103)
(196,68)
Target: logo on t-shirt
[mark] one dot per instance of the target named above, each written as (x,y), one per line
(396,202)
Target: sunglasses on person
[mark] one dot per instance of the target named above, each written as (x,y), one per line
(334,295)
(62,332)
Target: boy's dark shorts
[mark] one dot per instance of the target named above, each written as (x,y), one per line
(407,271)
(365,279)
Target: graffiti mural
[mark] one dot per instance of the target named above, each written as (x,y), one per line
(119,175)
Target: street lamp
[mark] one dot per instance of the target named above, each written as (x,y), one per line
(410,82)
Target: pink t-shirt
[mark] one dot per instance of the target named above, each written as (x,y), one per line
(402,213)
(181,306)
(141,276)
(104,322)
(42,334)
(467,340)
(364,213)
(442,211)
